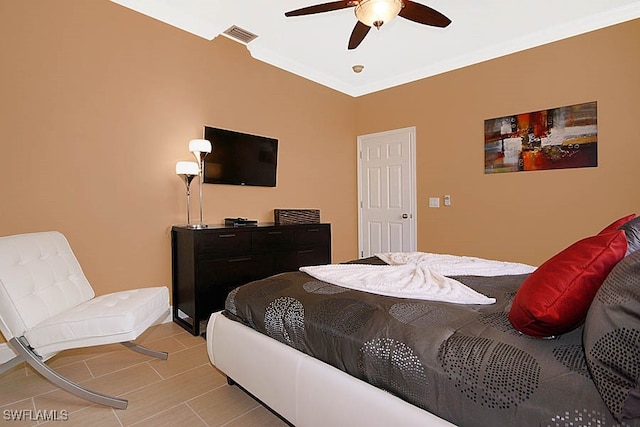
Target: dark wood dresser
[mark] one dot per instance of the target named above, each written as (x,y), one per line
(208,263)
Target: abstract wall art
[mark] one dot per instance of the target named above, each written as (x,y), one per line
(557,138)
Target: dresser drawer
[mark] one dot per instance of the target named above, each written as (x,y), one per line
(271,240)
(312,235)
(292,261)
(229,273)
(223,243)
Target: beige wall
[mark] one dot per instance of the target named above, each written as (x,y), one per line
(525,216)
(99,102)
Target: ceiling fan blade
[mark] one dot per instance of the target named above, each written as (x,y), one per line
(422,14)
(358,34)
(319,8)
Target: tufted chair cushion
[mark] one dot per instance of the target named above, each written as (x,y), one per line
(117,317)
(40,277)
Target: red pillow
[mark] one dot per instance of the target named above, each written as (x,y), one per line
(555,298)
(617,224)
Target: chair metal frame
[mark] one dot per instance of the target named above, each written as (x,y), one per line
(26,354)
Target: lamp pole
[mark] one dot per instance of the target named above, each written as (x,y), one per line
(187,171)
(200,149)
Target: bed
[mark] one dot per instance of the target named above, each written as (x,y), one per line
(320,354)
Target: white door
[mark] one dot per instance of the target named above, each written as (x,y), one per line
(386,192)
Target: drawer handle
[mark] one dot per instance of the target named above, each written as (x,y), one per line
(313,230)
(240,259)
(226,235)
(306,251)
(275,232)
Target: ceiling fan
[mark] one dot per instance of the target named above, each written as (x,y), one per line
(374,13)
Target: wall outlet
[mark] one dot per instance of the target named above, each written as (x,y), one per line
(434,202)
(447,200)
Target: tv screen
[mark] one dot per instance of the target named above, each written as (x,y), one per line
(240,159)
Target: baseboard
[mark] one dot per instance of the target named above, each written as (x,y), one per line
(169,317)
(6,353)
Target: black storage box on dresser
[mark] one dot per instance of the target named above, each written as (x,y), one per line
(208,263)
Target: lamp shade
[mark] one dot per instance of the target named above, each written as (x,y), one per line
(200,146)
(187,168)
(377,12)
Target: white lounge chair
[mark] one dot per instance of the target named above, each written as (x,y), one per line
(47,305)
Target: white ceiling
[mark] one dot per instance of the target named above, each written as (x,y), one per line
(315,46)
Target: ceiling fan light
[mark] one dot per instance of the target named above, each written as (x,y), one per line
(374,13)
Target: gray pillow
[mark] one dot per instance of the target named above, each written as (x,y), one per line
(632,231)
(612,339)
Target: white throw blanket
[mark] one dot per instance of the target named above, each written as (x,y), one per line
(404,281)
(417,275)
(454,265)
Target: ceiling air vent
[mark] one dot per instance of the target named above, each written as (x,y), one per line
(239,34)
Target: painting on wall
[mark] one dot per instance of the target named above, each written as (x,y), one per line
(558,138)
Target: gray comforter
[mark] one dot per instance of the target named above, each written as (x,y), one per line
(464,363)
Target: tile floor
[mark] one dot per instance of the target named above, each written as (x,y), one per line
(185,390)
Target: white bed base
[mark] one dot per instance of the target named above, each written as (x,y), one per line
(303,390)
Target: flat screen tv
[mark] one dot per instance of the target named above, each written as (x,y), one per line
(240,159)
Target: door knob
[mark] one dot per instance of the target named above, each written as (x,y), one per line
(405,216)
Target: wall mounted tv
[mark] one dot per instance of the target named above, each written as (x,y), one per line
(240,159)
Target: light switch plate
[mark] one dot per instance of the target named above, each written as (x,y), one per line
(434,202)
